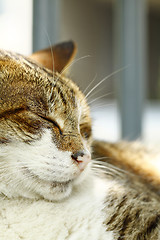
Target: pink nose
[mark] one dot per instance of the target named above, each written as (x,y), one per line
(82,158)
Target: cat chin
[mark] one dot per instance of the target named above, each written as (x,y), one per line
(58,193)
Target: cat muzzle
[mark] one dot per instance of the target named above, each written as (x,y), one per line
(82,158)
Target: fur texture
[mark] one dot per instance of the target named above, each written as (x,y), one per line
(49,187)
(72,219)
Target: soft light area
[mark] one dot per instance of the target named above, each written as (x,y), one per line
(106,122)
(16,25)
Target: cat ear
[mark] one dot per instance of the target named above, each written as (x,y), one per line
(57,57)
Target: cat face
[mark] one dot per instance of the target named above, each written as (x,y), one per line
(45,131)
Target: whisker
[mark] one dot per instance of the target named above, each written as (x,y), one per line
(53,65)
(110,166)
(94,93)
(93,108)
(107,94)
(69,65)
(90,84)
(99,158)
(108,172)
(73,62)
(104,79)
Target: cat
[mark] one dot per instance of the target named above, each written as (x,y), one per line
(56,182)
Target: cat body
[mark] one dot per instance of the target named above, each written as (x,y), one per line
(73,218)
(36,159)
(49,186)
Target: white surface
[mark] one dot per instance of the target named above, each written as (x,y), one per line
(16,25)
(106,122)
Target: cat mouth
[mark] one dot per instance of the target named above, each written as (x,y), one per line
(61,184)
(53,183)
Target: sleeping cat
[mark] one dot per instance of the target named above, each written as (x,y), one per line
(50,188)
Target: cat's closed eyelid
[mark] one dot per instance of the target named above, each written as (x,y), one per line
(51,121)
(86,132)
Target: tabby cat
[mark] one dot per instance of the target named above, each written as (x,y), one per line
(50,189)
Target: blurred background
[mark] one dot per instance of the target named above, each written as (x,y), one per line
(118,44)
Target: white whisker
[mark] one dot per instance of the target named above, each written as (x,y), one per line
(107,94)
(104,79)
(90,84)
(73,62)
(93,108)
(109,166)
(69,65)
(53,65)
(99,158)
(94,93)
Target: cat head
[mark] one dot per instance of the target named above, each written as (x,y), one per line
(45,125)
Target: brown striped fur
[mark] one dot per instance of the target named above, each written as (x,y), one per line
(28,92)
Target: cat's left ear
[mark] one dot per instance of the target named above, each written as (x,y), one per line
(57,57)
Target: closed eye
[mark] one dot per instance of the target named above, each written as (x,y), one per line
(85,131)
(53,122)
